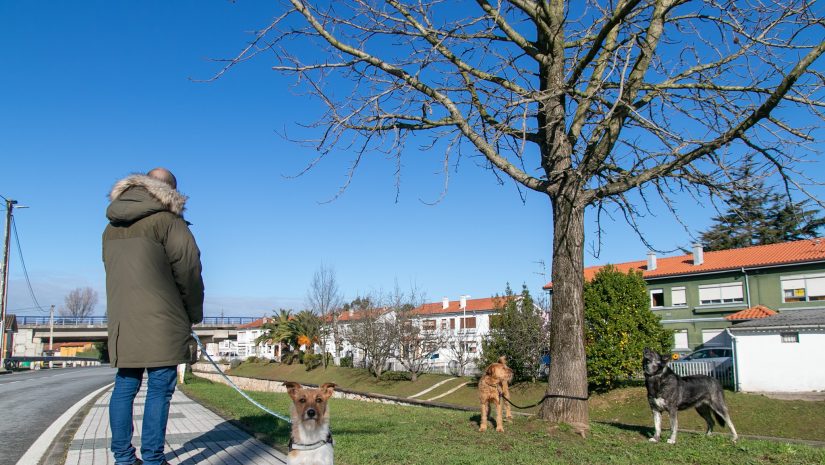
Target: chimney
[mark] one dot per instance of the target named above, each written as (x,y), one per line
(698,254)
(445,303)
(463,304)
(651,261)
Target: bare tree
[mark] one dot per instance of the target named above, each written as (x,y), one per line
(324,298)
(79,302)
(459,347)
(373,331)
(415,342)
(621,106)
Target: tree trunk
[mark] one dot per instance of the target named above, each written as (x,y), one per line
(568,368)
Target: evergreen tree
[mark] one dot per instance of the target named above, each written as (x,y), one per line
(618,325)
(792,221)
(520,331)
(746,220)
(758,216)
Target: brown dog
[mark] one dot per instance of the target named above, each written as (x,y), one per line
(492,385)
(311,441)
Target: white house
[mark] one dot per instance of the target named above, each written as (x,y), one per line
(248,334)
(781,353)
(466,321)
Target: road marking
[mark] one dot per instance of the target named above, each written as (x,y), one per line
(41,445)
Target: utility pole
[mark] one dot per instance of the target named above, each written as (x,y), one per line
(4,281)
(51,331)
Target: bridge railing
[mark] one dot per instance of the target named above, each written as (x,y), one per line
(101,321)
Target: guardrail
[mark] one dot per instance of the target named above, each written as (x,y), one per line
(101,321)
(37,362)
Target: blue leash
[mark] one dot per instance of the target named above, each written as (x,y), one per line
(253,401)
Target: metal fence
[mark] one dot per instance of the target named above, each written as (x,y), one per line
(101,321)
(723,372)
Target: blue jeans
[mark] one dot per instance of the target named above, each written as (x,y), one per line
(161,386)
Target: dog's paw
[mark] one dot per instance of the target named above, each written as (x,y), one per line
(482,429)
(653,439)
(671,441)
(499,429)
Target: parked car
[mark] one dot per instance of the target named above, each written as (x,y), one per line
(718,363)
(716,355)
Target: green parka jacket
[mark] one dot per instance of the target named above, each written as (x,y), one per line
(154,289)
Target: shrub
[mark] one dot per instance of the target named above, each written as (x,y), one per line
(293,357)
(235,363)
(618,325)
(346,362)
(312,361)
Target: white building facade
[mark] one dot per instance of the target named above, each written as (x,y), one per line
(461,324)
(781,353)
(246,345)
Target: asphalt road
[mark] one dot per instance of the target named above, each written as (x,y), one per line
(30,401)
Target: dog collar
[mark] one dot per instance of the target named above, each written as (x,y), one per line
(311,446)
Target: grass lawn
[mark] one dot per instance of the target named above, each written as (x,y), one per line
(752,414)
(368,433)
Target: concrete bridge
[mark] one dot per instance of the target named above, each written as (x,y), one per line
(33,332)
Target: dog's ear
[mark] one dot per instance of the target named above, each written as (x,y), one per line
(502,360)
(292,388)
(648,354)
(327,389)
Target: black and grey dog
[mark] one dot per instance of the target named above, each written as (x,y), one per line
(669,392)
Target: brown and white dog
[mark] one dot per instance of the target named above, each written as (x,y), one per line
(492,385)
(311,440)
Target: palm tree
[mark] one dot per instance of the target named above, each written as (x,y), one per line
(277,329)
(305,329)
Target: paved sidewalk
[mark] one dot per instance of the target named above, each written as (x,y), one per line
(194,435)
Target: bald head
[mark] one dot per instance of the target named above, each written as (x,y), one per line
(162,174)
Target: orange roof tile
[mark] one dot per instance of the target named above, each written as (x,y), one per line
(757,311)
(786,253)
(473,305)
(435,308)
(255,324)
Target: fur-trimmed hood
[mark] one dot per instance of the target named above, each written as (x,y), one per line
(138,196)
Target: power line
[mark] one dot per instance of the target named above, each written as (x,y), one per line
(23,263)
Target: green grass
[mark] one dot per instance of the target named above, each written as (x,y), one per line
(752,414)
(369,433)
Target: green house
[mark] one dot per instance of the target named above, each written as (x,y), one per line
(696,294)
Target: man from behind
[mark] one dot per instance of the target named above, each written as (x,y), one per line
(154,293)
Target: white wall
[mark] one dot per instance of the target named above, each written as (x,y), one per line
(766,364)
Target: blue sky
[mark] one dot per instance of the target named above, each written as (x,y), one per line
(93,91)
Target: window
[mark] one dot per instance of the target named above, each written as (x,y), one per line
(727,293)
(428,325)
(452,323)
(789,338)
(443,324)
(803,288)
(680,339)
(678,297)
(657,298)
(468,323)
(470,347)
